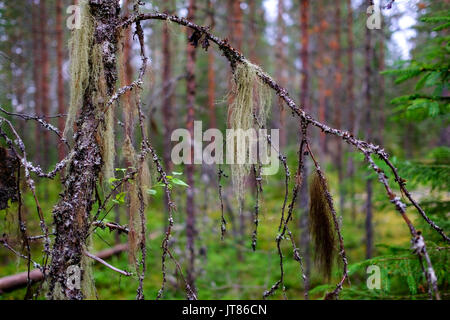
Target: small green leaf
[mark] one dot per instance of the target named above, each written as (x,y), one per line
(177,173)
(179,182)
(112,180)
(120,197)
(151,192)
(160,184)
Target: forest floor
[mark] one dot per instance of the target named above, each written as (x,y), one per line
(221,273)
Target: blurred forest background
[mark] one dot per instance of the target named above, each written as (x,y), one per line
(387,85)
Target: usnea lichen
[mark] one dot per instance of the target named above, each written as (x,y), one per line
(321,225)
(106,126)
(80,46)
(251,99)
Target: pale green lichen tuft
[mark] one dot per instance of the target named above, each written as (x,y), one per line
(80,46)
(248,109)
(106,126)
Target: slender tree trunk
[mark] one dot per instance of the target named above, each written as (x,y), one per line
(337,100)
(322,69)
(381,88)
(281,71)
(59,68)
(45,65)
(237,24)
(351,102)
(36,48)
(211,75)
(304,102)
(190,105)
(253,39)
(168,98)
(129,114)
(368,125)
(235,17)
(71,214)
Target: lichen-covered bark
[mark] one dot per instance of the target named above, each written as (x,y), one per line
(71,214)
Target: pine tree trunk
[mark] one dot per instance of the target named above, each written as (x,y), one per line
(71,214)
(168,98)
(190,193)
(304,102)
(235,16)
(59,69)
(351,102)
(368,127)
(381,88)
(280,72)
(337,101)
(36,44)
(211,75)
(322,72)
(45,65)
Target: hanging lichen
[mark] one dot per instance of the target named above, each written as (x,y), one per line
(106,126)
(80,46)
(321,225)
(140,184)
(87,281)
(248,109)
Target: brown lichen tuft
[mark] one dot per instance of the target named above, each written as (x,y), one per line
(321,226)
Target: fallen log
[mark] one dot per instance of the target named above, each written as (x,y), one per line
(19,280)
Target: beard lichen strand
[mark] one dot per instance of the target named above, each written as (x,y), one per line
(321,226)
(79,51)
(105,133)
(251,98)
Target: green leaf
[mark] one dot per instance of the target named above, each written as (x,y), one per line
(120,197)
(179,182)
(433,109)
(177,173)
(151,192)
(112,180)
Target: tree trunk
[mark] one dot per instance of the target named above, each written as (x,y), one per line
(281,71)
(36,44)
(351,102)
(368,124)
(322,69)
(45,65)
(168,98)
(71,214)
(190,105)
(337,100)
(59,68)
(381,94)
(304,102)
(211,75)
(235,16)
